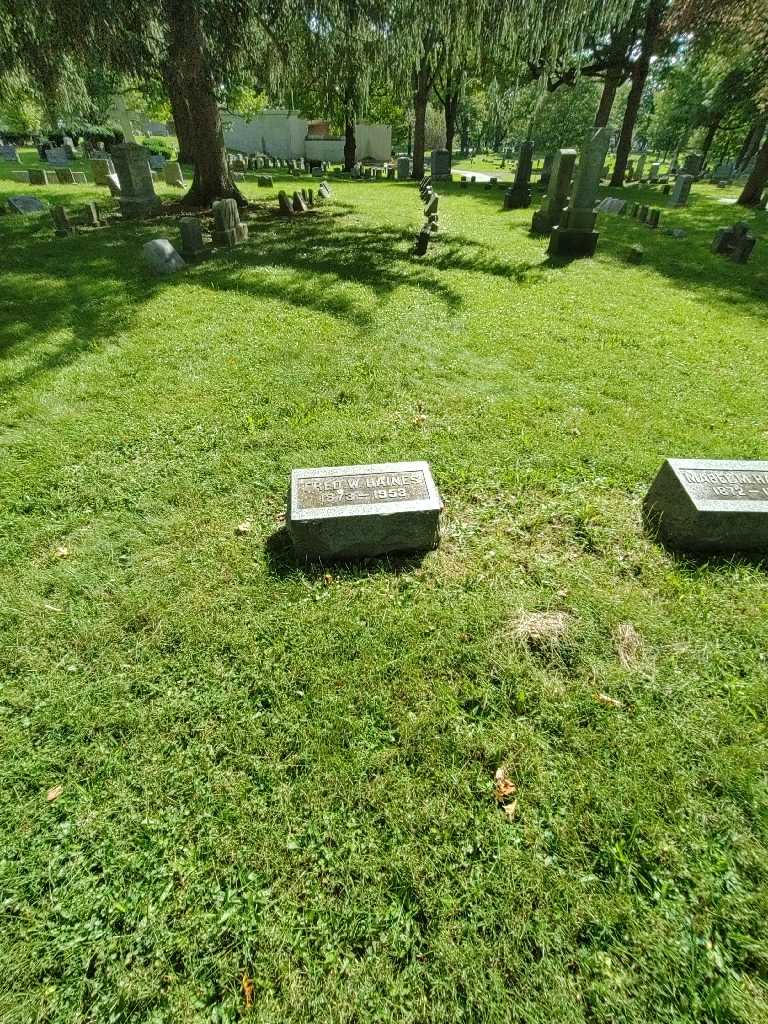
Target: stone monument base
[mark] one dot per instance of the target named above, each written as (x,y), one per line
(542,223)
(139,207)
(231,236)
(572,242)
(518,197)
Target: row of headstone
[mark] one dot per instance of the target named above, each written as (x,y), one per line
(645,214)
(64,176)
(700,506)
(301,201)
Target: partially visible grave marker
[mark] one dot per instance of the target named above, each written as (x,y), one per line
(710,505)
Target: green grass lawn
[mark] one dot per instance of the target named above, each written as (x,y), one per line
(277,783)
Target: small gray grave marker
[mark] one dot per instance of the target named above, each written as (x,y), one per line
(26,204)
(710,505)
(361,511)
(162,257)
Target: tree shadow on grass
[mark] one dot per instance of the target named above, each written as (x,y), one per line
(91,285)
(282,561)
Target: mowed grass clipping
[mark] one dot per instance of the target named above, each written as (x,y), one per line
(520,779)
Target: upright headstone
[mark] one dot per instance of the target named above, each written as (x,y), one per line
(642,213)
(520,193)
(363,511)
(113,184)
(22,177)
(653,217)
(284,204)
(192,244)
(172,174)
(710,506)
(324,192)
(161,256)
(90,216)
(546,170)
(693,163)
(440,164)
(575,235)
(228,230)
(299,206)
(38,177)
(558,192)
(403,168)
(10,154)
(681,190)
(101,169)
(57,155)
(137,192)
(735,242)
(641,166)
(61,221)
(654,172)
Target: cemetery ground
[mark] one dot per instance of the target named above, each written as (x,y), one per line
(521,778)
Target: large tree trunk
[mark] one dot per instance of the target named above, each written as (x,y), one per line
(421,87)
(194,79)
(451,105)
(182,118)
(709,138)
(350,144)
(639,75)
(757,181)
(751,143)
(610,87)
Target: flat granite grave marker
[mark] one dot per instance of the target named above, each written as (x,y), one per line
(710,505)
(26,204)
(362,511)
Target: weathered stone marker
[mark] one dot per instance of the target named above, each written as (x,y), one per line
(101,169)
(558,192)
(361,511)
(681,190)
(61,222)
(735,242)
(161,256)
(520,196)
(227,229)
(440,164)
(403,168)
(173,174)
(192,244)
(575,235)
(137,193)
(26,204)
(710,505)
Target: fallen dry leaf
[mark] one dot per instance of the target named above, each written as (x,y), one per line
(54,793)
(242,528)
(629,645)
(503,787)
(610,702)
(61,551)
(327,579)
(248,992)
(420,420)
